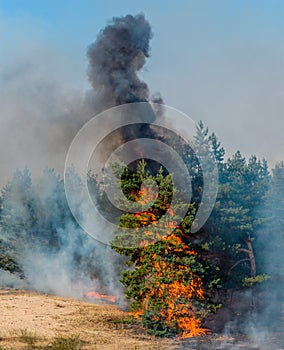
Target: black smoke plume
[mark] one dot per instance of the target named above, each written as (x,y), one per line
(115,58)
(119,52)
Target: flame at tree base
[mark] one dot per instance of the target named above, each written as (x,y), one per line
(177,310)
(174,289)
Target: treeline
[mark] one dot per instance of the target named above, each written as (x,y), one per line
(40,238)
(175,274)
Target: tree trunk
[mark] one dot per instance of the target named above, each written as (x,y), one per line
(250,253)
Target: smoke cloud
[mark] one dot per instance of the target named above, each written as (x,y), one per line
(119,52)
(115,59)
(42,117)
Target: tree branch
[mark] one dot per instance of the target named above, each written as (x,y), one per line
(244,250)
(236,264)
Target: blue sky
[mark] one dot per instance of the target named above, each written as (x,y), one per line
(218,61)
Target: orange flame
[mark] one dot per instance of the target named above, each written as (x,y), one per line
(177,296)
(99,296)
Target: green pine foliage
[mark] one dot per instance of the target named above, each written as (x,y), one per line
(165,285)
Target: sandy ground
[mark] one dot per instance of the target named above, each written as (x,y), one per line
(98,326)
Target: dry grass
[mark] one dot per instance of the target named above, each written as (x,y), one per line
(32,321)
(36,321)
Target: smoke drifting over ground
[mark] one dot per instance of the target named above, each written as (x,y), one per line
(43,122)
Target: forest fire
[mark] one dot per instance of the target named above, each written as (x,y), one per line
(226,276)
(165,286)
(172,283)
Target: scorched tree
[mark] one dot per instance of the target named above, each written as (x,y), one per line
(166,282)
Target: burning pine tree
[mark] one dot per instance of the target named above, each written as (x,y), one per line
(166,284)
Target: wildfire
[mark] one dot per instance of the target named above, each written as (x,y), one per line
(172,283)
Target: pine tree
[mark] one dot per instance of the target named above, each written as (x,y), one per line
(36,218)
(270,242)
(165,285)
(18,214)
(242,189)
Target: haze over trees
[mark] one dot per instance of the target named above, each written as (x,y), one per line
(174,277)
